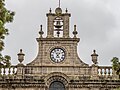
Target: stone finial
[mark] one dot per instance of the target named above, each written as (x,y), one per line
(58,11)
(66,10)
(94,57)
(21,56)
(41,32)
(50,11)
(75,31)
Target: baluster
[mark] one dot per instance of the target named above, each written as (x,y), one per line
(0,71)
(98,72)
(13,70)
(4,71)
(108,71)
(101,72)
(105,72)
(9,71)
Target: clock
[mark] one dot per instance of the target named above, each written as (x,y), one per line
(57,55)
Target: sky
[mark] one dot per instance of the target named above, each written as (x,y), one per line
(98,25)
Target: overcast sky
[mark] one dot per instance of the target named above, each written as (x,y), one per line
(98,25)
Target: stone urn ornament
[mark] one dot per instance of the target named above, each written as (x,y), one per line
(21,56)
(94,57)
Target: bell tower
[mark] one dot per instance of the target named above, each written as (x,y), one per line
(58,23)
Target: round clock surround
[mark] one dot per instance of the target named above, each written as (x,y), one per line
(57,55)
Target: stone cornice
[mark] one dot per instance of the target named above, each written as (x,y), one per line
(74,83)
(53,14)
(58,39)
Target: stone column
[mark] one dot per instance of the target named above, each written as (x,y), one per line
(50,27)
(94,72)
(66,25)
(20,71)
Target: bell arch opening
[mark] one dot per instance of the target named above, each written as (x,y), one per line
(57,85)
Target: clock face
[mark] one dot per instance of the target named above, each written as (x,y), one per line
(57,55)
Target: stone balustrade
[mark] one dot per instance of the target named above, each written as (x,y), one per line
(105,71)
(8,71)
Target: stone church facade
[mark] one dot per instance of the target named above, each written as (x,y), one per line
(57,65)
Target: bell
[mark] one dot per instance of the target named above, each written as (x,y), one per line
(58,25)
